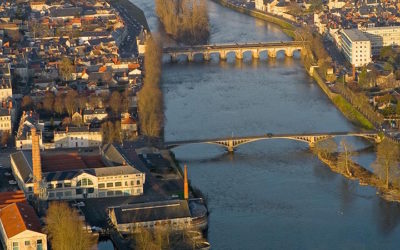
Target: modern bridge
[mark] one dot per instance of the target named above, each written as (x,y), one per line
(230,143)
(239,49)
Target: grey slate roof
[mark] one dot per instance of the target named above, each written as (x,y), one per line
(152,211)
(23,162)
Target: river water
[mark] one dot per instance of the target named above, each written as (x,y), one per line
(270,194)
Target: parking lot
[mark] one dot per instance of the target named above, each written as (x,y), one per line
(7,181)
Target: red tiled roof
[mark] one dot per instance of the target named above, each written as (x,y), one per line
(19,217)
(7,198)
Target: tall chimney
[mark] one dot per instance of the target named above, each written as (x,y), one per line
(36,163)
(185,184)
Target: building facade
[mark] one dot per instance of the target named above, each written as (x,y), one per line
(356,47)
(5,120)
(78,137)
(381,37)
(71,175)
(20,228)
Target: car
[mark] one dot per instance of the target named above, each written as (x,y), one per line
(269,135)
(12,182)
(79,204)
(7,174)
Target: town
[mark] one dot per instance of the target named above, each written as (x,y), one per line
(70,74)
(87,149)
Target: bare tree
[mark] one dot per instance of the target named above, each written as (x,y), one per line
(70,102)
(386,165)
(344,158)
(27,102)
(65,229)
(115,102)
(48,101)
(66,69)
(325,148)
(59,104)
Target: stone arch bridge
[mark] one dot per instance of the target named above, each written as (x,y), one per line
(230,143)
(272,49)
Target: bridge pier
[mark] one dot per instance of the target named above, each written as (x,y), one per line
(190,57)
(206,56)
(255,54)
(222,55)
(230,146)
(239,55)
(272,53)
(289,52)
(174,58)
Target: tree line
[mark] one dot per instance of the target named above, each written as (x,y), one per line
(185,20)
(150,98)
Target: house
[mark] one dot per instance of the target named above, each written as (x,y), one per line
(129,126)
(5,120)
(64,175)
(77,137)
(20,228)
(91,114)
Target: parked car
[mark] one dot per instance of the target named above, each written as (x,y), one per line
(7,174)
(12,182)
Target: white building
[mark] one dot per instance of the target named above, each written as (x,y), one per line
(23,139)
(382,36)
(356,47)
(89,115)
(78,175)
(260,5)
(5,120)
(20,228)
(78,137)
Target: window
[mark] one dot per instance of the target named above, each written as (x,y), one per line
(59,185)
(102,194)
(27,243)
(138,191)
(59,194)
(51,195)
(102,185)
(68,193)
(50,186)
(15,246)
(39,245)
(67,185)
(138,182)
(84,182)
(110,184)
(30,189)
(118,192)
(126,183)
(79,191)
(90,190)
(118,184)
(110,193)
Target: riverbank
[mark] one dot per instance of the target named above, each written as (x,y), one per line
(287,28)
(136,12)
(365,178)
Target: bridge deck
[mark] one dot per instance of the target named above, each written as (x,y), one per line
(270,136)
(232,46)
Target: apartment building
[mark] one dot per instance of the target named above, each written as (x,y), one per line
(381,37)
(356,47)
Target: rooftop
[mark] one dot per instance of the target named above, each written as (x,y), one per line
(7,198)
(19,217)
(355,35)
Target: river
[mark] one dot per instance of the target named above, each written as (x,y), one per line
(272,194)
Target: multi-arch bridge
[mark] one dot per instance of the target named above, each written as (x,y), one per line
(230,143)
(272,49)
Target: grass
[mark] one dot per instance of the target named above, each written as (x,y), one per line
(351,113)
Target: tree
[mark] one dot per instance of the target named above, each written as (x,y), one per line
(66,69)
(150,101)
(48,101)
(386,165)
(65,229)
(59,104)
(325,148)
(70,102)
(27,103)
(115,102)
(344,158)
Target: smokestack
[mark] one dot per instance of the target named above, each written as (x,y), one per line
(36,162)
(185,184)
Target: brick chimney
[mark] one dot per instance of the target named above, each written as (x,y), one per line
(36,162)
(185,184)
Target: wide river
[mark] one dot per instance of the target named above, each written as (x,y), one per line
(272,194)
